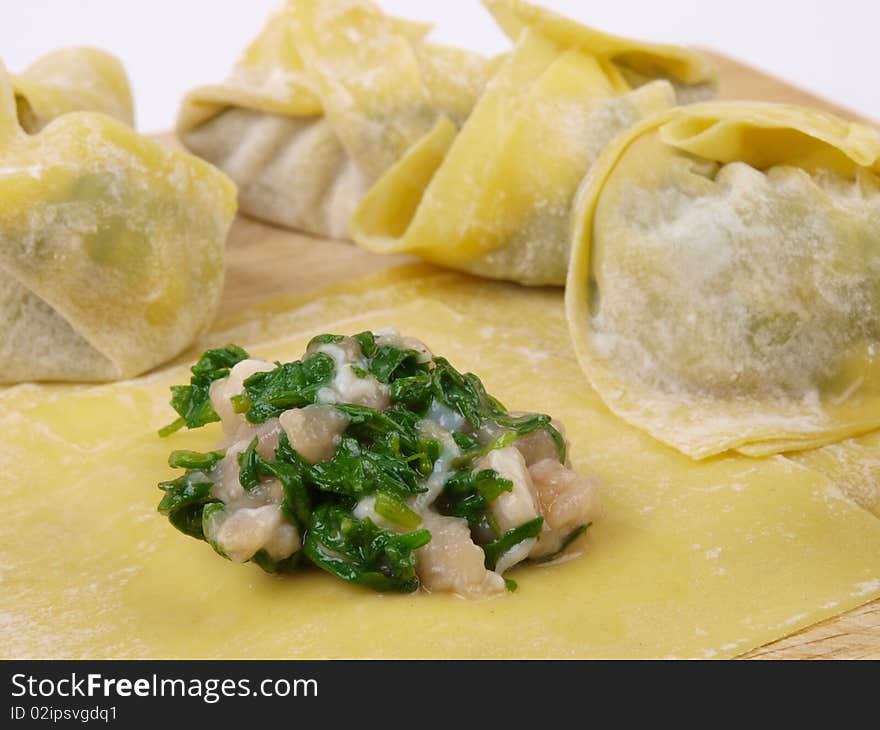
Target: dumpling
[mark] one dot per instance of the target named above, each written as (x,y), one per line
(495,198)
(111,247)
(70,80)
(324,101)
(631,62)
(724,289)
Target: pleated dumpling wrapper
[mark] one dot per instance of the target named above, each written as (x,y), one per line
(111,247)
(724,290)
(325,100)
(495,198)
(72,80)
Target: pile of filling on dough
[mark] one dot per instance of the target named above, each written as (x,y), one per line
(377,461)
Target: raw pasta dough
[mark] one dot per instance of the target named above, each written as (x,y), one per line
(692,559)
(724,290)
(71,80)
(327,98)
(111,247)
(853,464)
(495,198)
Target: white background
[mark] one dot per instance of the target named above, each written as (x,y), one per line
(168,46)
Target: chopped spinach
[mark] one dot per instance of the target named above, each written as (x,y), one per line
(396,425)
(356,471)
(510,539)
(466,441)
(270,565)
(414,392)
(529,423)
(367,342)
(184,500)
(468,493)
(458,391)
(248,464)
(388,361)
(393,510)
(566,543)
(324,340)
(383,454)
(194,459)
(192,402)
(292,385)
(297,504)
(360,552)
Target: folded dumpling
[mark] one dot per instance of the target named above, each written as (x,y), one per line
(324,101)
(495,197)
(111,247)
(724,289)
(631,62)
(71,80)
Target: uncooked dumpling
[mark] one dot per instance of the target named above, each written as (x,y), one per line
(724,290)
(323,102)
(71,80)
(111,247)
(630,62)
(495,198)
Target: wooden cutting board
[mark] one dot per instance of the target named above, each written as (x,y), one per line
(265,262)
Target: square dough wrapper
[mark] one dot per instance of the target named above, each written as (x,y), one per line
(692,559)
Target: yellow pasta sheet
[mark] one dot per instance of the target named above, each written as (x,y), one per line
(693,559)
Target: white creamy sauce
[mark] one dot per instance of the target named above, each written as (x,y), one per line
(432,429)
(447,418)
(349,386)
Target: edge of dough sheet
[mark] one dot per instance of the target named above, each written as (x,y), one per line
(706,559)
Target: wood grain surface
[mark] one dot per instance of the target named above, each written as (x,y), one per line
(266,262)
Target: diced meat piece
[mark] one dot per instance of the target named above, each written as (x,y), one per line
(225,474)
(567,500)
(223,390)
(284,542)
(268,433)
(518,506)
(314,431)
(242,532)
(539,445)
(452,562)
(268,491)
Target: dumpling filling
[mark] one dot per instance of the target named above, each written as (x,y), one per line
(378,462)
